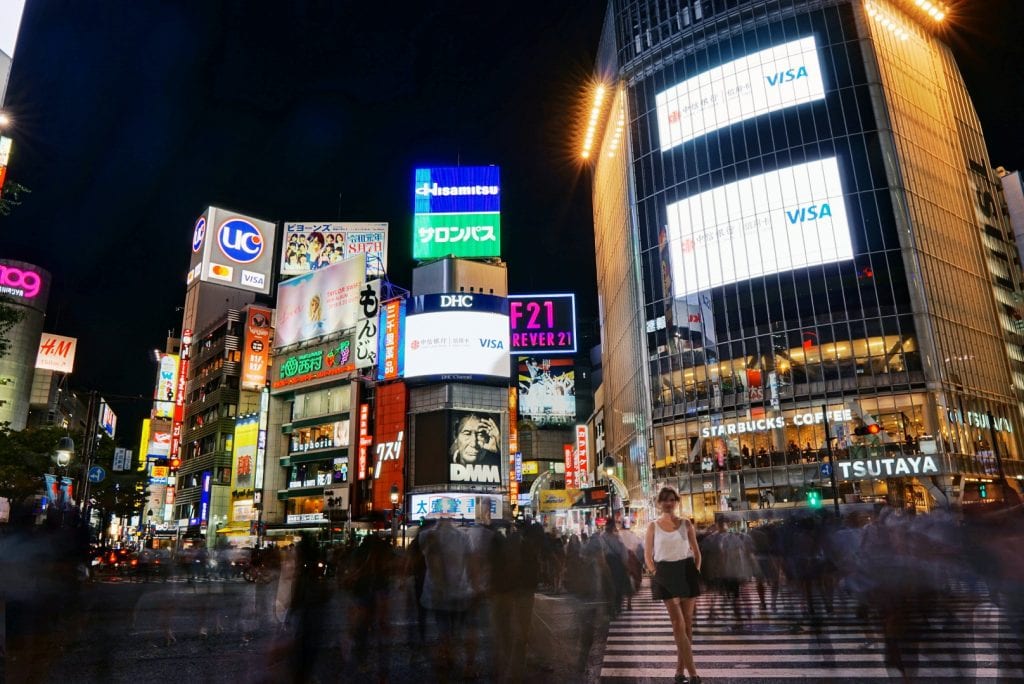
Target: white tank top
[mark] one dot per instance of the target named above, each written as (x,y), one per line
(671,546)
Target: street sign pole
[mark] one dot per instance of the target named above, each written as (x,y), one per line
(831,460)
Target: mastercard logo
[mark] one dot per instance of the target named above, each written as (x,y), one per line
(221,272)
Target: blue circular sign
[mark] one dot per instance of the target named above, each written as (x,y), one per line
(198,233)
(240,240)
(96,474)
(826,469)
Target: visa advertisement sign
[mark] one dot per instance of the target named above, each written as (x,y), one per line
(232,249)
(457,211)
(457,336)
(771,223)
(782,76)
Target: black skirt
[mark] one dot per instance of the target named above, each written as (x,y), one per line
(675,579)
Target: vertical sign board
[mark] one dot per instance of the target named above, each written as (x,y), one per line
(179,399)
(5,157)
(166,388)
(365,440)
(457,211)
(204,499)
(389,444)
(570,466)
(261,437)
(513,447)
(256,353)
(368,325)
(582,454)
(390,353)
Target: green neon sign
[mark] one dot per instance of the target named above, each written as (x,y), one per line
(473,235)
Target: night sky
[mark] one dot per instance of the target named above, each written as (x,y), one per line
(132,117)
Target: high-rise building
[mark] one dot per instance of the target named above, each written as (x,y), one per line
(800,252)
(26,288)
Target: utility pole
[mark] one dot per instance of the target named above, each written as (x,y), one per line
(831,460)
(88,450)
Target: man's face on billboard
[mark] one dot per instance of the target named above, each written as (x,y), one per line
(471,439)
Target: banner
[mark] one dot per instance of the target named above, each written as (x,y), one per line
(244,451)
(367,325)
(391,351)
(256,352)
(313,245)
(319,303)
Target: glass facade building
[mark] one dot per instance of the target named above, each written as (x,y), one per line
(798,237)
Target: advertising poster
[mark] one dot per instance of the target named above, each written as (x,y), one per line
(256,352)
(456,505)
(243,459)
(56,353)
(475,447)
(457,211)
(547,391)
(165,390)
(770,223)
(367,325)
(159,444)
(457,336)
(782,76)
(542,324)
(319,303)
(312,245)
(569,455)
(107,419)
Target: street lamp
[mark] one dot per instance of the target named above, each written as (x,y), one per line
(609,467)
(394,513)
(64,452)
(5,119)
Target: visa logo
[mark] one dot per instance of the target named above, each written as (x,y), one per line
(491,344)
(253,279)
(812,212)
(787,76)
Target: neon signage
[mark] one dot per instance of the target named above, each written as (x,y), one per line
(542,324)
(315,365)
(19,282)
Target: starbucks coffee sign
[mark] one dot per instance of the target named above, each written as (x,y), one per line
(888,467)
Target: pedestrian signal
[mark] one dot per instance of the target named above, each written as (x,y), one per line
(872,429)
(982,490)
(814,498)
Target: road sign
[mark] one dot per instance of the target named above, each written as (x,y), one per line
(826,470)
(96,474)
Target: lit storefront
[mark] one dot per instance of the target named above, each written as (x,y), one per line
(795,253)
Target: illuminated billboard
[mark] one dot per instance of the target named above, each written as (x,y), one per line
(313,245)
(457,336)
(5,153)
(56,353)
(389,443)
(244,451)
(319,303)
(256,352)
(232,249)
(474,452)
(779,221)
(166,388)
(24,283)
(390,346)
(542,324)
(107,419)
(457,212)
(782,76)
(547,391)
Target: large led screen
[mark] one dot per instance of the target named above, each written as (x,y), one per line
(474,452)
(778,221)
(782,76)
(547,391)
(319,303)
(457,336)
(457,211)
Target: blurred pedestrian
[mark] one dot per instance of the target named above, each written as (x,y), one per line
(673,556)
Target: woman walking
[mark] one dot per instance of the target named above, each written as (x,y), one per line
(673,557)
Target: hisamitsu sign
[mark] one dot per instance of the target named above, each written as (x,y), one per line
(542,324)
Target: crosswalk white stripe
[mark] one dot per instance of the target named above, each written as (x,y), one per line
(976,641)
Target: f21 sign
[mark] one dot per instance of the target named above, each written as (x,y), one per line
(542,324)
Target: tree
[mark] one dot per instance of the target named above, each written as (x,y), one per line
(25,456)
(11,197)
(9,317)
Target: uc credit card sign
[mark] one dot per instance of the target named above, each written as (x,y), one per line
(457,211)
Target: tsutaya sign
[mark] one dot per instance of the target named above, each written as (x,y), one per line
(775,423)
(888,467)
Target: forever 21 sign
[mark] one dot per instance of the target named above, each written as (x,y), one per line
(542,324)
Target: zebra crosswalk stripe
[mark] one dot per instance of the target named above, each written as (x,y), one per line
(975,643)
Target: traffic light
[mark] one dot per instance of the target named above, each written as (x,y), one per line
(872,429)
(814,498)
(982,490)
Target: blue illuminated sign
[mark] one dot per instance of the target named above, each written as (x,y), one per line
(239,240)
(198,234)
(204,501)
(457,190)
